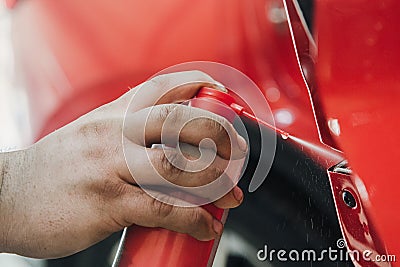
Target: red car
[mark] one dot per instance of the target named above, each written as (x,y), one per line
(330,77)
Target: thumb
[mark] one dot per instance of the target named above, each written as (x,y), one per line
(168,88)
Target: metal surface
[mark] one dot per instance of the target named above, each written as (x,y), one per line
(142,247)
(358,78)
(359,230)
(77,61)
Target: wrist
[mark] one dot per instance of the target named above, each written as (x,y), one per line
(12,170)
(3,173)
(4,169)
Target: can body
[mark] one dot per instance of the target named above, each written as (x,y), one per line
(158,247)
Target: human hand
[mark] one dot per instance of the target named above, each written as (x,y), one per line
(73,188)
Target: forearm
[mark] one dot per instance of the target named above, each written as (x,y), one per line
(11,170)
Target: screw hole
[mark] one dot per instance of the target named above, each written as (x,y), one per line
(349,199)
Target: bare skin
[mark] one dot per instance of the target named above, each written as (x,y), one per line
(72,189)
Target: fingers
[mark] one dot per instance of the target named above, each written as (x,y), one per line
(179,123)
(150,165)
(231,200)
(198,132)
(141,209)
(167,88)
(168,172)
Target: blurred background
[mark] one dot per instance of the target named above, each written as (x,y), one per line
(72,56)
(14,120)
(15,128)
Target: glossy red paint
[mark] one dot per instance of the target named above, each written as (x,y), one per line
(159,247)
(74,60)
(360,232)
(358,225)
(358,80)
(72,53)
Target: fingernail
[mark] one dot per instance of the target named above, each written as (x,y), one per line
(217,226)
(220,86)
(238,194)
(242,143)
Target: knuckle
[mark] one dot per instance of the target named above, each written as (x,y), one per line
(170,112)
(114,189)
(213,174)
(217,172)
(161,209)
(160,81)
(177,161)
(108,189)
(171,164)
(217,127)
(197,217)
(93,128)
(197,224)
(94,133)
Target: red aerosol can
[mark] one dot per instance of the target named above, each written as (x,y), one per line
(158,247)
